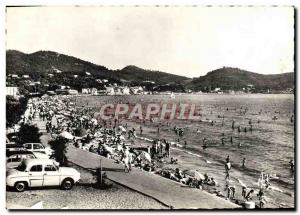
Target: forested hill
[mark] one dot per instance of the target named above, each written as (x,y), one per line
(228,78)
(40,64)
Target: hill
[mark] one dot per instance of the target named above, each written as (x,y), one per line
(228,78)
(39,64)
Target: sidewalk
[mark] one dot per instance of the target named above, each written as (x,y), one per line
(168,192)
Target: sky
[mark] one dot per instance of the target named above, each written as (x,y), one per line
(188,41)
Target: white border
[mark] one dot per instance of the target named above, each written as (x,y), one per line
(110,3)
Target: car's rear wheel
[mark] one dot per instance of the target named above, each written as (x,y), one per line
(67,184)
(20,186)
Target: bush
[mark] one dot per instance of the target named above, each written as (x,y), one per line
(59,146)
(28,134)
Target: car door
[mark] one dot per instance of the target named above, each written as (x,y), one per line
(51,176)
(36,176)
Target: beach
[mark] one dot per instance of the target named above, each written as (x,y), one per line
(268,148)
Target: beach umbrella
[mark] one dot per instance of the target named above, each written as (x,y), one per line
(122,128)
(66,135)
(145,156)
(194,174)
(94,121)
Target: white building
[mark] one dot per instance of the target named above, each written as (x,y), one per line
(110,91)
(136,90)
(85,90)
(25,76)
(12,91)
(94,91)
(14,76)
(72,92)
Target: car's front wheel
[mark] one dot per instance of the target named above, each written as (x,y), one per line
(67,184)
(20,186)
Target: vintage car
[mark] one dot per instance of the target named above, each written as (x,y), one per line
(16,158)
(38,147)
(41,173)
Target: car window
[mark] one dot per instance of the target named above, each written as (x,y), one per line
(36,168)
(30,156)
(28,146)
(50,168)
(17,159)
(37,146)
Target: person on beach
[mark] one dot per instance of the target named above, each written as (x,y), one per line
(244,192)
(230,192)
(233,191)
(141,130)
(185,144)
(222,140)
(267,181)
(261,198)
(227,159)
(232,125)
(167,149)
(127,158)
(231,139)
(240,145)
(249,195)
(239,129)
(227,176)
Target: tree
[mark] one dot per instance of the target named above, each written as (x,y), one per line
(15,108)
(28,134)
(59,146)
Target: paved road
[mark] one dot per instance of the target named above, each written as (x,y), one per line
(166,191)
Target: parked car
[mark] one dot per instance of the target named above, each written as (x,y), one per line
(41,173)
(16,158)
(41,155)
(38,147)
(15,152)
(13,147)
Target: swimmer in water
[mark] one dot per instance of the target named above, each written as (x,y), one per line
(227,159)
(244,163)
(292,165)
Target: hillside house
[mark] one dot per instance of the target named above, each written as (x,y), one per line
(12,91)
